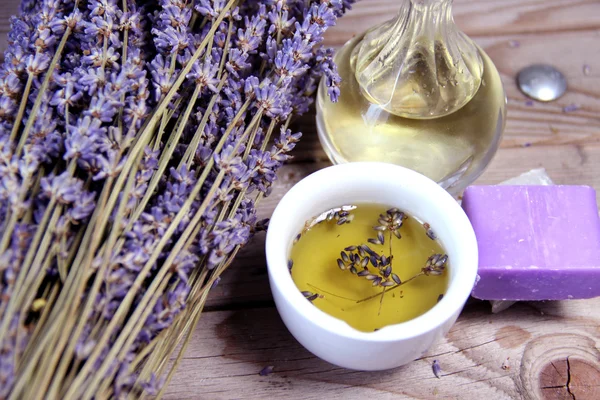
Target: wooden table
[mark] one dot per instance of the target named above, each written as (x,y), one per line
(533,350)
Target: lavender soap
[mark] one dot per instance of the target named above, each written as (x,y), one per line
(535,242)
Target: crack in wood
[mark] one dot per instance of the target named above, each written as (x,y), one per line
(553,387)
(567,385)
(240,306)
(486,379)
(287,359)
(475,346)
(320,372)
(556,369)
(282,371)
(569,379)
(462,370)
(435,355)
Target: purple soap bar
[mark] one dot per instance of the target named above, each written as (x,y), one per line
(535,242)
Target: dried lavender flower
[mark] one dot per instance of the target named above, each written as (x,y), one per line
(437,370)
(268,370)
(586,69)
(310,296)
(436,264)
(570,108)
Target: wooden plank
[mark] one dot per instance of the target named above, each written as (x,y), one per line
(8,8)
(495,356)
(483,17)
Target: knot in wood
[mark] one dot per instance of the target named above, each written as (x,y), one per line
(561,366)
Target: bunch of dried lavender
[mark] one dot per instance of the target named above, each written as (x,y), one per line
(134,147)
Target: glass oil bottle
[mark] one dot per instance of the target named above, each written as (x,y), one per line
(416,92)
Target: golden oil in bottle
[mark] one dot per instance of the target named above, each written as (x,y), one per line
(415,92)
(446,149)
(404,274)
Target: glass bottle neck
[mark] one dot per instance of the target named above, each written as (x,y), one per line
(418,65)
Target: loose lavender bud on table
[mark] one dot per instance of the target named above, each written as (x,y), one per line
(437,370)
(266,370)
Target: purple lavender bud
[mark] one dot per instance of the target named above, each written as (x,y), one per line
(269,100)
(203,73)
(38,63)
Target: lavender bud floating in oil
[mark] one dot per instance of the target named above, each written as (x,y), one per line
(369,265)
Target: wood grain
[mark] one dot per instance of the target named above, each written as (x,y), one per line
(484,17)
(484,356)
(7,8)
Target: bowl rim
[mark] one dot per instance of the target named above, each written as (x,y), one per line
(460,287)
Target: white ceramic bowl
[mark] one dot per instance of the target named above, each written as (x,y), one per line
(332,339)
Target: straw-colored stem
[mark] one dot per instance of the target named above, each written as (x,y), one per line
(392,288)
(60,311)
(14,300)
(268,135)
(198,312)
(13,217)
(198,298)
(206,169)
(19,117)
(168,338)
(42,90)
(95,379)
(146,132)
(190,152)
(128,299)
(155,350)
(166,155)
(66,262)
(34,269)
(8,230)
(123,61)
(158,139)
(319,290)
(60,261)
(91,296)
(199,291)
(45,313)
(251,142)
(26,305)
(226,49)
(28,217)
(142,310)
(166,117)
